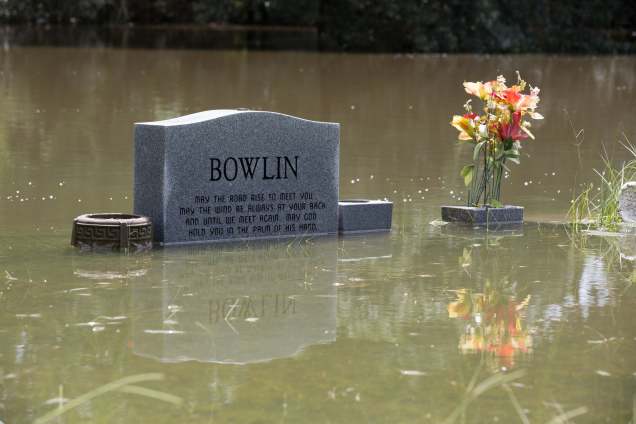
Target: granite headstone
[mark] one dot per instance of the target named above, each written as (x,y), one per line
(236,174)
(627,201)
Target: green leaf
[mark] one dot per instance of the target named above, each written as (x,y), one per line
(496,203)
(513,155)
(468,172)
(478,148)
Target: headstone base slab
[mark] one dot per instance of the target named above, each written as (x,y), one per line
(482,215)
(364,216)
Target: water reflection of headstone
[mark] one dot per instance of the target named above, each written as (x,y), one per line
(237,305)
(495,230)
(364,247)
(626,241)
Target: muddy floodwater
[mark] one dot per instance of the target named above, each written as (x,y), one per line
(429,323)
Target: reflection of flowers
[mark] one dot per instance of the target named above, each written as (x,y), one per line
(494,323)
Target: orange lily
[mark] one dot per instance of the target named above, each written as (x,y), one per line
(509,96)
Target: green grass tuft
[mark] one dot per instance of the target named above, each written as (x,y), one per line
(597,204)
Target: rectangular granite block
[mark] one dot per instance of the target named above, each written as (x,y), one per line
(357,216)
(237,174)
(482,215)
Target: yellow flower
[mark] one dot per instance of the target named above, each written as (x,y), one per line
(462,307)
(465,126)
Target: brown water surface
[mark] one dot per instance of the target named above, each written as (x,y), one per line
(424,324)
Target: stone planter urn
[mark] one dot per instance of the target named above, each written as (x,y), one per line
(112,231)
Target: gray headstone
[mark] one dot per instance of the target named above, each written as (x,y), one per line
(627,201)
(237,174)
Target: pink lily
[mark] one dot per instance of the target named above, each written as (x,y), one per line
(512,130)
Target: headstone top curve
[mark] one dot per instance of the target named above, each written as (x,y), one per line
(209,115)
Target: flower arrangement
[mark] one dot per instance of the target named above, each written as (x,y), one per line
(495,134)
(493,323)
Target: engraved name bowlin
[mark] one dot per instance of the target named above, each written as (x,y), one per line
(250,167)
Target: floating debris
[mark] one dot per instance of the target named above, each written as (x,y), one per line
(438,223)
(164,332)
(116,318)
(77,289)
(93,275)
(174,308)
(413,373)
(56,401)
(87,324)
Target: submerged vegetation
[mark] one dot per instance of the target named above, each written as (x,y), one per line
(597,203)
(124,385)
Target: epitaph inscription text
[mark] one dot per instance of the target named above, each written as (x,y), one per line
(252,214)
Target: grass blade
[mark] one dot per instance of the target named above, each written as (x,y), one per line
(491,382)
(109,387)
(154,394)
(566,416)
(515,403)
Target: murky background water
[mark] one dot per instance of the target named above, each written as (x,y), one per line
(424,324)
